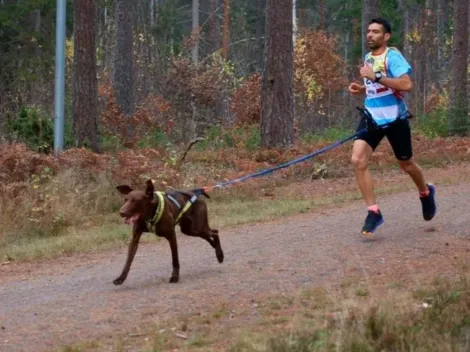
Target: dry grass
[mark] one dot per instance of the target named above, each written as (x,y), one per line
(71,218)
(435,317)
(76,211)
(436,320)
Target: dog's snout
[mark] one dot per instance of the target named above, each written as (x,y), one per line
(124,211)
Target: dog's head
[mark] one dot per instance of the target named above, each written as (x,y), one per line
(138,204)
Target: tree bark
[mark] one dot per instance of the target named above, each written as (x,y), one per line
(370,9)
(226,38)
(195,51)
(459,110)
(277,103)
(213,24)
(85,83)
(123,78)
(321,13)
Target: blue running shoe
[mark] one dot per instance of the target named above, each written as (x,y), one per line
(373,221)
(429,203)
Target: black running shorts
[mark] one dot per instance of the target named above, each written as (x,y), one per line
(398,135)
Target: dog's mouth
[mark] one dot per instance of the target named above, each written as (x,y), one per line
(131,220)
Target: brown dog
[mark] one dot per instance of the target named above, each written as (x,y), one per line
(140,207)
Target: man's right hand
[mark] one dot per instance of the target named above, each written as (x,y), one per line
(356,88)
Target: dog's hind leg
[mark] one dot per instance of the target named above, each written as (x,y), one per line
(211,236)
(171,237)
(130,257)
(218,248)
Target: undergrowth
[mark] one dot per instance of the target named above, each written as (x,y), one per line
(42,197)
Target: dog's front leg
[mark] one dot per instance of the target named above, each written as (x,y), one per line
(137,232)
(175,275)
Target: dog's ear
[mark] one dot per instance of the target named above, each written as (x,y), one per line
(124,189)
(150,189)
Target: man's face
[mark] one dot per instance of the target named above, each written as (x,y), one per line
(376,36)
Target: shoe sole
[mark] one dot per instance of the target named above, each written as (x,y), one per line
(368,234)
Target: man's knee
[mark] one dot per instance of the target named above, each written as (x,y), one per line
(361,154)
(359,161)
(407,165)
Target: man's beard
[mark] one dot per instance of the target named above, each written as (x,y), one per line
(373,45)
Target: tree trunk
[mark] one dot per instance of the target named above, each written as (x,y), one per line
(226,39)
(260,27)
(123,78)
(459,110)
(442,25)
(213,24)
(370,9)
(85,83)
(294,20)
(195,51)
(277,105)
(321,14)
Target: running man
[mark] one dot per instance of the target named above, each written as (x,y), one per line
(386,74)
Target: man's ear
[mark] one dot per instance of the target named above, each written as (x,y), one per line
(387,36)
(150,190)
(124,189)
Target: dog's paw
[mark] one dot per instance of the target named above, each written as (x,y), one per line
(220,256)
(174,279)
(118,281)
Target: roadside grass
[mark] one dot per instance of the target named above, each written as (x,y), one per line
(432,317)
(77,218)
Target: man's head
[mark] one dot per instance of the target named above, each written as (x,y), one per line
(378,33)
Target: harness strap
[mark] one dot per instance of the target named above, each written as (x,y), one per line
(161,206)
(174,201)
(372,125)
(186,208)
(159,212)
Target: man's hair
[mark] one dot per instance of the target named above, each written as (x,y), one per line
(385,24)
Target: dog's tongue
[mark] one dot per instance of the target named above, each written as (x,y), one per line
(131,220)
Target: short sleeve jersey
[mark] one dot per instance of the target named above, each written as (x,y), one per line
(386,104)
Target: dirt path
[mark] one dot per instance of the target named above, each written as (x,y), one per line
(73,299)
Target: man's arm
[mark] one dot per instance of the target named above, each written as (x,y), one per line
(356,88)
(402,83)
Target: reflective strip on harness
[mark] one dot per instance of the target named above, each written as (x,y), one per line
(185,209)
(174,201)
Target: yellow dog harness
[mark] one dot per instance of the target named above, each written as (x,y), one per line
(161,206)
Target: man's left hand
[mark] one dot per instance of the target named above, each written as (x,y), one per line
(367,72)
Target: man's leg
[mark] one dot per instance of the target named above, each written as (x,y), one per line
(361,154)
(399,137)
(363,148)
(416,173)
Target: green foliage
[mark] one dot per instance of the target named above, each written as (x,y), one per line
(170,24)
(156,138)
(434,124)
(36,129)
(328,135)
(239,137)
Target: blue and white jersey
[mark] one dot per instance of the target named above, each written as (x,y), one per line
(386,104)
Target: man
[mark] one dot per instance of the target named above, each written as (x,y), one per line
(386,74)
